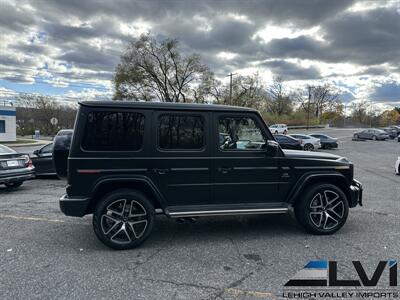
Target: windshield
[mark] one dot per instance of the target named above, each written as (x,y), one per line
(4,150)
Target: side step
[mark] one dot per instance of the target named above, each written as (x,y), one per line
(175,213)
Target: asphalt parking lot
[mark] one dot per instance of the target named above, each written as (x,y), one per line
(44,254)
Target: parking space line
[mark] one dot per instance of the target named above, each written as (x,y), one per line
(3,216)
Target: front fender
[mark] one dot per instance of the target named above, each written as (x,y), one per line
(314,177)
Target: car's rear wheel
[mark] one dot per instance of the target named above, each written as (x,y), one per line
(374,137)
(14,185)
(308,147)
(323,209)
(124,219)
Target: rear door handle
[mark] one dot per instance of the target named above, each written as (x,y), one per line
(224,170)
(161,171)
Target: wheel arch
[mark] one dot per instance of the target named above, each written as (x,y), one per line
(141,184)
(308,180)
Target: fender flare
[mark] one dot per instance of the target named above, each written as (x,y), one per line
(308,177)
(157,195)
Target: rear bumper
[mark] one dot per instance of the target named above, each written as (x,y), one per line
(74,207)
(17,176)
(356,192)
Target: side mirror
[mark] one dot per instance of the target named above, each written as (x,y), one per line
(36,152)
(271,148)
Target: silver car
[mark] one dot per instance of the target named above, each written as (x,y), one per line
(371,134)
(309,143)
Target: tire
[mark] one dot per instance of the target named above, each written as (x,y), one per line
(285,132)
(323,209)
(276,132)
(14,185)
(374,138)
(356,136)
(116,226)
(308,147)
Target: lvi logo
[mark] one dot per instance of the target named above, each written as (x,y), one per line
(324,273)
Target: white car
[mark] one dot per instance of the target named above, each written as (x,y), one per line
(397,166)
(278,129)
(309,143)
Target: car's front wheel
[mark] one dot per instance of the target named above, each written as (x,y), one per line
(374,138)
(124,219)
(323,209)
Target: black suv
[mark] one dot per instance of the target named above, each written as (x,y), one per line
(131,160)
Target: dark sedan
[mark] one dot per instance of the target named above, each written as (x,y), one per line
(371,134)
(43,160)
(392,132)
(287,142)
(15,167)
(327,142)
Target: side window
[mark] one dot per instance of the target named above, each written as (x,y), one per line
(180,132)
(113,131)
(239,133)
(47,149)
(2,126)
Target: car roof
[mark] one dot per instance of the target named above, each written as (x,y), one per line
(164,106)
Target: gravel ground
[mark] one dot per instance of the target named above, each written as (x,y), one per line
(46,255)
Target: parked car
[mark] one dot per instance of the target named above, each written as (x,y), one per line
(42,159)
(371,134)
(288,142)
(279,129)
(308,142)
(15,167)
(397,166)
(327,142)
(391,132)
(61,145)
(397,128)
(129,160)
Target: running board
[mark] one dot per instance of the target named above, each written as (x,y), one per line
(228,212)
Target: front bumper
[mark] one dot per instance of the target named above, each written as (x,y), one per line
(11,176)
(356,193)
(74,207)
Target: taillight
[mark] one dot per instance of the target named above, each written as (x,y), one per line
(28,161)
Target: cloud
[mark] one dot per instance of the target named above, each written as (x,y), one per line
(77,44)
(291,71)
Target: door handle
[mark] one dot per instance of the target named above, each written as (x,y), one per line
(224,170)
(161,171)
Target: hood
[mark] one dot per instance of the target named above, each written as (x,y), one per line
(308,154)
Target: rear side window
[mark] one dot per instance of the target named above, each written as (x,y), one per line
(180,132)
(113,131)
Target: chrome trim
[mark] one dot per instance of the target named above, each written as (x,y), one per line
(227,212)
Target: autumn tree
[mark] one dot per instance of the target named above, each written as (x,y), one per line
(151,70)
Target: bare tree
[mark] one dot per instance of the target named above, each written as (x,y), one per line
(35,111)
(152,70)
(279,103)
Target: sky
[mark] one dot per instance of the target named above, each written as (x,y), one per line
(70,49)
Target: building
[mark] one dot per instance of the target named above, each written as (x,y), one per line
(8,129)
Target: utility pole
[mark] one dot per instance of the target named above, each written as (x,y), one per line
(370,114)
(308,107)
(230,87)
(344,116)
